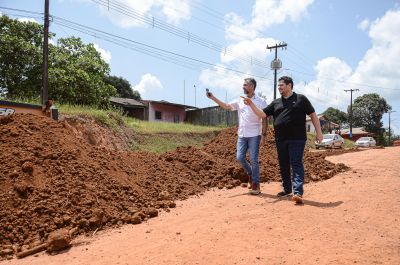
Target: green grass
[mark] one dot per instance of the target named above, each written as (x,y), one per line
(157,137)
(111,118)
(349,144)
(167,127)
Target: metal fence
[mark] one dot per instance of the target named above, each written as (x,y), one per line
(212,116)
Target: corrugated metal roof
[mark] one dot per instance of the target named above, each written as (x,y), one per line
(126,101)
(169,103)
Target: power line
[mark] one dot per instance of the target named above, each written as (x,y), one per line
(145,48)
(251,60)
(209,10)
(190,37)
(172,57)
(341,81)
(20,10)
(301,55)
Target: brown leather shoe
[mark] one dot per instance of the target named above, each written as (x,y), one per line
(297,198)
(255,189)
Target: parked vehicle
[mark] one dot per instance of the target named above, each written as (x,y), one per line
(330,141)
(365,142)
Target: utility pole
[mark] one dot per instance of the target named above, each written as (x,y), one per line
(276,64)
(45,74)
(184,92)
(195,103)
(351,111)
(389,125)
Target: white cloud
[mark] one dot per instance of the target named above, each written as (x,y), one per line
(175,11)
(221,80)
(148,83)
(25,20)
(326,90)
(378,70)
(265,14)
(254,49)
(381,63)
(364,25)
(106,55)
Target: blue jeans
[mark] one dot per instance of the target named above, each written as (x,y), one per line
(290,156)
(253,145)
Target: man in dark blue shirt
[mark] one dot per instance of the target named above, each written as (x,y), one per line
(289,114)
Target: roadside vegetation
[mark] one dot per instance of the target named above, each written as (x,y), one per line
(157,137)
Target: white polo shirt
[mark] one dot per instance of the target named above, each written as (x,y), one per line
(250,124)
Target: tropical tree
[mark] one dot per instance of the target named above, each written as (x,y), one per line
(335,115)
(76,70)
(368,110)
(20,58)
(77,73)
(123,87)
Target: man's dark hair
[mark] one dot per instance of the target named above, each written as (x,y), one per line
(287,80)
(252,80)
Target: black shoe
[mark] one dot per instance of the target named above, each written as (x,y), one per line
(283,193)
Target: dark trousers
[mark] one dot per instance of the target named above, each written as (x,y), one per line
(290,156)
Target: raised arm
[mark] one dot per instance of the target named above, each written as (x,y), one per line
(219,102)
(256,110)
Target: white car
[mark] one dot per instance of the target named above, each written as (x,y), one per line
(330,141)
(365,142)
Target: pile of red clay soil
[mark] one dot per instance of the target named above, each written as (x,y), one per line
(51,179)
(316,167)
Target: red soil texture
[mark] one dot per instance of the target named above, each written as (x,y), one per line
(50,179)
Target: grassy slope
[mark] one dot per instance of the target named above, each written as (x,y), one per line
(155,137)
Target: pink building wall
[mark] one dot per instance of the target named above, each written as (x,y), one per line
(168,112)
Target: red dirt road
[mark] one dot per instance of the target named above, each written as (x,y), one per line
(352,218)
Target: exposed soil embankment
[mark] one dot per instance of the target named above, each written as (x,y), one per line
(50,178)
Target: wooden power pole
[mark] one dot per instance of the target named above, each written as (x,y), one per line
(276,64)
(45,74)
(351,111)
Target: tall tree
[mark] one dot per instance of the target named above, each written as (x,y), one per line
(123,87)
(77,72)
(335,115)
(20,58)
(368,110)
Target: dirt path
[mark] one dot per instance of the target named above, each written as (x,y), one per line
(353,218)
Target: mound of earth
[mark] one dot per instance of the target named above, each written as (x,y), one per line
(316,167)
(52,178)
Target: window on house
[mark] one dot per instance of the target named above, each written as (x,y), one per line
(158,115)
(308,127)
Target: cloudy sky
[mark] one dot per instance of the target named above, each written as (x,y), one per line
(173,49)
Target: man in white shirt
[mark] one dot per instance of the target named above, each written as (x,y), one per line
(251,129)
